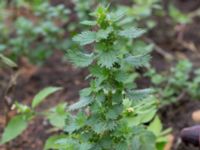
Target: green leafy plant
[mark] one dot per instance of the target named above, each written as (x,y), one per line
(35,35)
(19,123)
(177,83)
(194,85)
(178,16)
(111,112)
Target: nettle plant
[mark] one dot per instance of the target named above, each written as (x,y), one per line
(176,83)
(111,112)
(36,34)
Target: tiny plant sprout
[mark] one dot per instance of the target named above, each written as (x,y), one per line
(130,110)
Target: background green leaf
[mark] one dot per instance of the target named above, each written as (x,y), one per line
(14,128)
(43,94)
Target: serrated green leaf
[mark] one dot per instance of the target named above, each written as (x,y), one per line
(100,73)
(75,123)
(122,146)
(99,127)
(85,92)
(85,146)
(138,61)
(139,94)
(57,116)
(132,32)
(89,22)
(118,14)
(144,141)
(51,142)
(80,59)
(14,128)
(85,37)
(103,34)
(71,127)
(140,48)
(114,112)
(43,94)
(125,77)
(107,59)
(83,102)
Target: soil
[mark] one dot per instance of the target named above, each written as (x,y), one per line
(56,72)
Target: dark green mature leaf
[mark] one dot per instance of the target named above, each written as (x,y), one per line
(103,34)
(101,73)
(85,146)
(14,128)
(137,61)
(71,127)
(99,127)
(89,23)
(75,123)
(84,101)
(114,112)
(85,37)
(61,142)
(107,59)
(121,146)
(43,94)
(80,59)
(132,32)
(144,141)
(139,94)
(51,142)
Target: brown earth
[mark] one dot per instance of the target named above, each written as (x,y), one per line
(55,72)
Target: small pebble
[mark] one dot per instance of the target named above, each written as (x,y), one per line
(196,116)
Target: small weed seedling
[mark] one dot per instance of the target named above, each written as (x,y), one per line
(19,123)
(177,83)
(35,34)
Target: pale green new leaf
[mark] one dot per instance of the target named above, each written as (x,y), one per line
(132,32)
(107,59)
(7,61)
(156,126)
(103,34)
(43,94)
(57,116)
(178,16)
(14,128)
(84,101)
(85,37)
(118,14)
(80,59)
(137,61)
